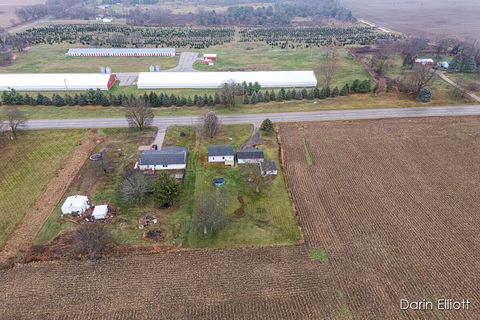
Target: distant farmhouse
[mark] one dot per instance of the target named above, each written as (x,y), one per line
(221,154)
(173,159)
(250,156)
(121,52)
(424,62)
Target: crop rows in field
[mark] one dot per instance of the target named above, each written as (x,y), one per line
(126,36)
(290,37)
(393,202)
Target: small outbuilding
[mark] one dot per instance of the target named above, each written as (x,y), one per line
(225,154)
(248,156)
(424,62)
(76,205)
(268,168)
(100,212)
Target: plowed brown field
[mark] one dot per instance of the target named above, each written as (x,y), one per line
(393,202)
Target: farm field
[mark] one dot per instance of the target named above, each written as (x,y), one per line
(7,10)
(28,164)
(391,202)
(52,58)
(426,17)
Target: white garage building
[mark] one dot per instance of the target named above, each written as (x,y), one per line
(56,81)
(267,79)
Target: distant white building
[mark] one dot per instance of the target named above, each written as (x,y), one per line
(75,205)
(107,19)
(218,154)
(424,62)
(100,212)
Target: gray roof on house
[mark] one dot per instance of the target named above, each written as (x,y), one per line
(220,151)
(250,154)
(268,166)
(165,156)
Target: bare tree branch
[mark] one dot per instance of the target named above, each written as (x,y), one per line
(138,113)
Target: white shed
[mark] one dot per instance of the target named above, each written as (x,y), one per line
(100,212)
(75,205)
(224,154)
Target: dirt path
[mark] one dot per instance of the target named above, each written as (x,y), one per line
(33,221)
(453,83)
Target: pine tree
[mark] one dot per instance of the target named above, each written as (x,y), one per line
(217,98)
(335,92)
(267,127)
(253,98)
(298,95)
(245,99)
(260,96)
(273,95)
(425,95)
(288,95)
(266,97)
(189,101)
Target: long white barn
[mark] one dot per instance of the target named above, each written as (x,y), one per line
(267,79)
(56,81)
(121,52)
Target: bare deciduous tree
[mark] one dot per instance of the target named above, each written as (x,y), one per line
(94,240)
(414,81)
(330,65)
(136,186)
(253,174)
(209,209)
(228,93)
(138,113)
(16,119)
(210,125)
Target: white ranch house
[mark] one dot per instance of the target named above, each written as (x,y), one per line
(169,158)
(221,154)
(250,156)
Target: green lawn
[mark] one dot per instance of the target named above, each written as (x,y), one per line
(121,147)
(27,166)
(52,58)
(473,77)
(261,57)
(440,89)
(268,216)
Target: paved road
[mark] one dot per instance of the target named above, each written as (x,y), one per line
(163,122)
(185,64)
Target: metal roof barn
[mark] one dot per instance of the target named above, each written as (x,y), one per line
(56,81)
(121,52)
(267,79)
